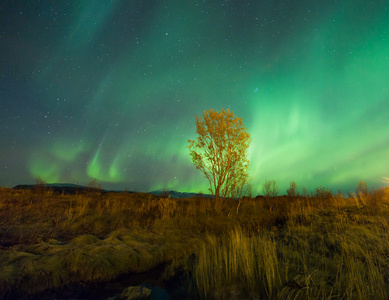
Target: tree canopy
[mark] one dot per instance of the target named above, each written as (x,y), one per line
(220,152)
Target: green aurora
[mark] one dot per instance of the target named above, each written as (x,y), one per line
(110,89)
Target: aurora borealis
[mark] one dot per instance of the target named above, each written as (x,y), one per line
(110,89)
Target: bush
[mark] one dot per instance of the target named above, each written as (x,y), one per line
(323,193)
(270,188)
(292,190)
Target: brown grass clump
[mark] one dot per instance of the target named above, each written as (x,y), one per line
(162,209)
(86,258)
(236,266)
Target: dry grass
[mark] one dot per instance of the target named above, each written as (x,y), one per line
(322,250)
(318,247)
(236,266)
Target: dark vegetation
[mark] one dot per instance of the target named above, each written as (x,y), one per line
(321,246)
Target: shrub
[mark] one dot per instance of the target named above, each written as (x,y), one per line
(292,190)
(362,188)
(323,193)
(270,188)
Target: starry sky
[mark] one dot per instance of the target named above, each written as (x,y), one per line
(110,89)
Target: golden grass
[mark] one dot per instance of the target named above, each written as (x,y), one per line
(346,262)
(279,248)
(331,250)
(236,265)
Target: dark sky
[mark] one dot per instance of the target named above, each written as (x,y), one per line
(110,89)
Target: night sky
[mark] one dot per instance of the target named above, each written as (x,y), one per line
(110,89)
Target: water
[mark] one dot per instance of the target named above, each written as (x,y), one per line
(99,291)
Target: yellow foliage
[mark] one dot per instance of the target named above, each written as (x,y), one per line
(220,152)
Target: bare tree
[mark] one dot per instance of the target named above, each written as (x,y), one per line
(292,190)
(270,188)
(220,152)
(362,189)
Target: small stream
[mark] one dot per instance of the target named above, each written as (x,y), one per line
(152,279)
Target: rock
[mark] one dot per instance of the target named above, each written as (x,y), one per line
(134,293)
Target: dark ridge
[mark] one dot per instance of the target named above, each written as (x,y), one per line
(59,188)
(69,188)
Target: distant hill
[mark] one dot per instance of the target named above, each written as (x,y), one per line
(69,188)
(65,188)
(178,195)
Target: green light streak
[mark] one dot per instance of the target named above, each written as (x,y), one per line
(105,172)
(67,151)
(48,171)
(84,30)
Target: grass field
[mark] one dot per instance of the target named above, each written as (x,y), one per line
(319,247)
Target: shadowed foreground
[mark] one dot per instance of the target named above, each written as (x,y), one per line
(322,246)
